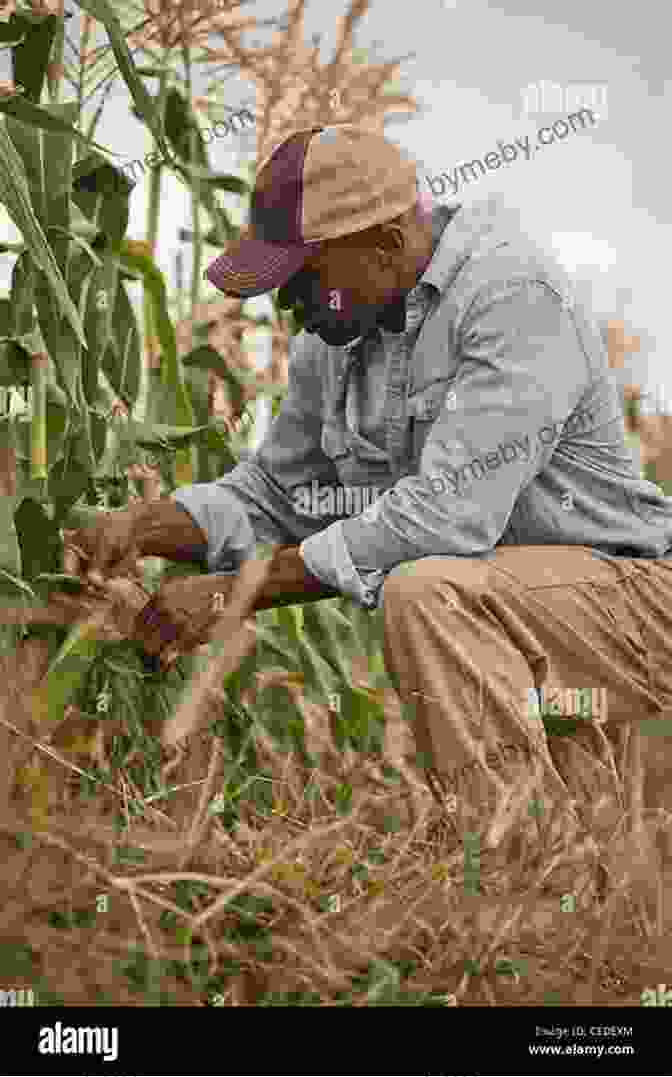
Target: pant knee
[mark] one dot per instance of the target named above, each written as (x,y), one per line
(436,576)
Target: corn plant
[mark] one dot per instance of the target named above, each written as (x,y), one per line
(70,341)
(70,344)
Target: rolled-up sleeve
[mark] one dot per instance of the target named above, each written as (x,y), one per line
(223,519)
(522,371)
(327,557)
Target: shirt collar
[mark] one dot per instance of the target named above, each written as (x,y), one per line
(483,225)
(419,297)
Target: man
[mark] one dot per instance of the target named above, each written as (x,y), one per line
(513,547)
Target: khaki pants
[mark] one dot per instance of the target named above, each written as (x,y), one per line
(466,639)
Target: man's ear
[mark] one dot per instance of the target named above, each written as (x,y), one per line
(390,242)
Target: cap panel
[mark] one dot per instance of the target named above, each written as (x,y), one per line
(353,179)
(275,210)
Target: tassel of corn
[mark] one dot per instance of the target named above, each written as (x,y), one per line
(38,430)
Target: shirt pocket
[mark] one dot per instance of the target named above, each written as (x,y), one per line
(423,409)
(355,459)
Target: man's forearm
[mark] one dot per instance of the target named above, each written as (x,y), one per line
(290,582)
(164,529)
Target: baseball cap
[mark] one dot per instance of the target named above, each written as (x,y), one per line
(320,183)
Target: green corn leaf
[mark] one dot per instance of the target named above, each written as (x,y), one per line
(290,619)
(80,223)
(68,480)
(14,363)
(206,358)
(30,58)
(15,196)
(362,721)
(171,370)
(13,32)
(80,269)
(154,284)
(196,381)
(61,343)
(275,645)
(39,539)
(38,421)
(11,585)
(83,444)
(219,181)
(122,359)
(6,319)
(180,124)
(57,154)
(151,72)
(319,625)
(213,238)
(57,422)
(104,12)
(66,673)
(79,241)
(39,116)
(101,301)
(154,435)
(321,678)
(22,295)
(262,388)
(101,193)
(28,143)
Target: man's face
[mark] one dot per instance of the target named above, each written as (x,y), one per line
(343,290)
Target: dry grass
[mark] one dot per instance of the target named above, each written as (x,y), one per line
(408,910)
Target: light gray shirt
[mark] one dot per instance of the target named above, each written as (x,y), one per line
(493,419)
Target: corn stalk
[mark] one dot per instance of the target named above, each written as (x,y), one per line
(69,334)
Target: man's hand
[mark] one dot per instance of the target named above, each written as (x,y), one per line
(184,612)
(182,615)
(115,542)
(109,547)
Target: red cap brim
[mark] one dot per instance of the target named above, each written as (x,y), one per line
(252,267)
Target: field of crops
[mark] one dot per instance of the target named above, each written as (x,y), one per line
(293,854)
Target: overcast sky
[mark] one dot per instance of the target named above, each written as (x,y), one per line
(598,196)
